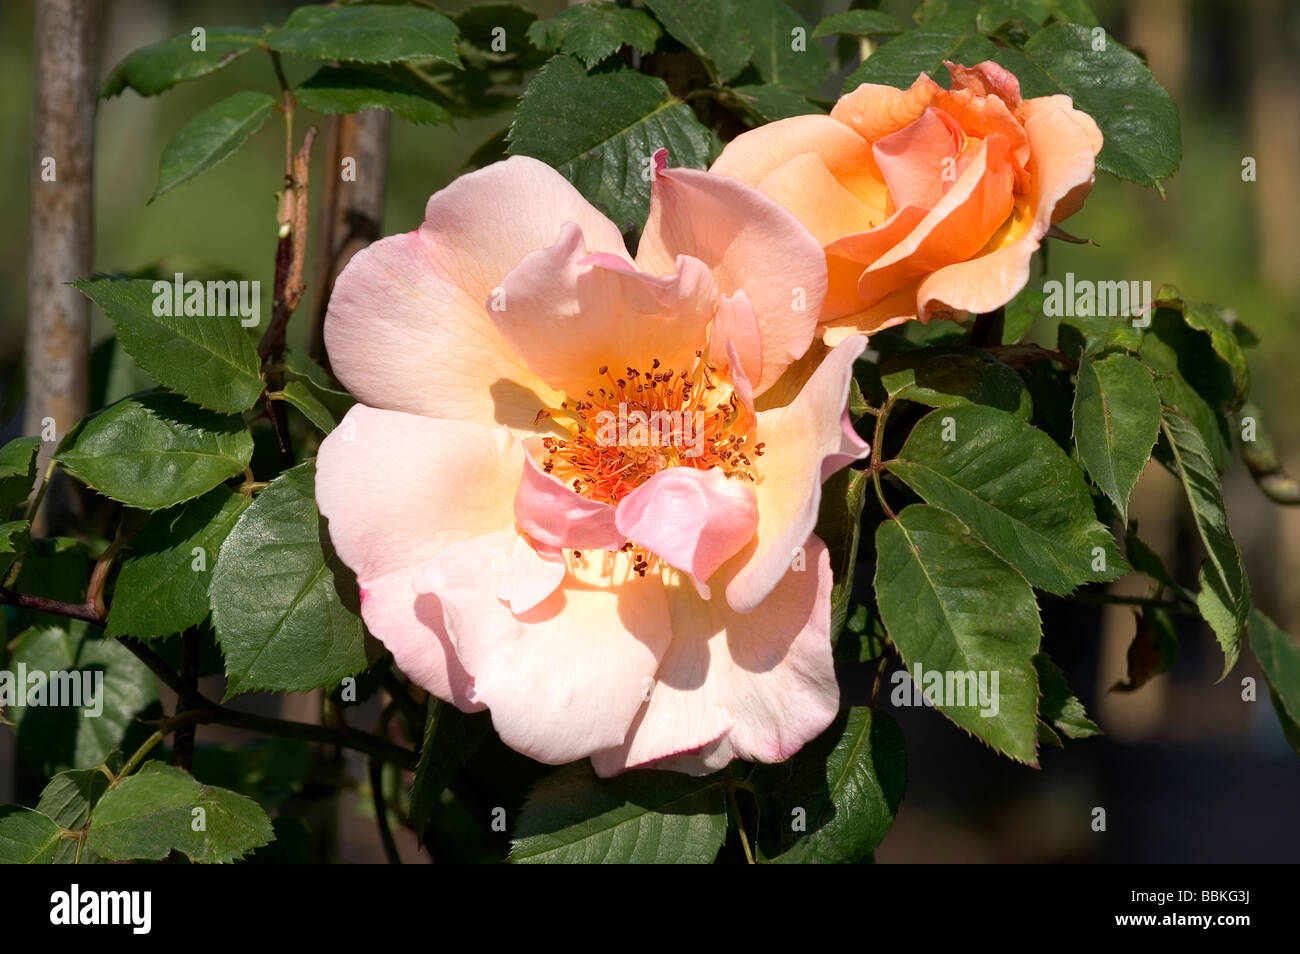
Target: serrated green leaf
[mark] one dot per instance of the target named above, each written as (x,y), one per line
(595,31)
(158,67)
(367,33)
(284,628)
(835,801)
(1220,325)
(156,811)
(860,23)
(55,738)
(1016,490)
(154,450)
(782,52)
(27,837)
(601,132)
(1224,599)
(956,376)
(952,607)
(1057,705)
(924,50)
(450,738)
(210,137)
(14,537)
(640,817)
(68,801)
(1137,117)
(210,358)
(1116,423)
(311,392)
(1191,380)
(768,102)
(268,770)
(159,590)
(17,472)
(714,30)
(337,90)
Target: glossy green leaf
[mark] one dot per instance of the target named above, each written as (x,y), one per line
(1224,599)
(348,89)
(1016,490)
(1279,657)
(783,52)
(155,450)
(954,608)
(27,837)
(924,50)
(1116,423)
(956,376)
(158,67)
(210,137)
(209,358)
(767,102)
(641,817)
(14,537)
(717,31)
(1058,706)
(602,131)
(100,674)
(311,391)
(860,23)
(595,31)
(1191,380)
(162,808)
(68,801)
(163,585)
(285,628)
(835,801)
(1138,119)
(367,33)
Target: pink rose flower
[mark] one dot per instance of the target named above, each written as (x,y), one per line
(929,202)
(557,494)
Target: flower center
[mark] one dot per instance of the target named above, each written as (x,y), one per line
(648,421)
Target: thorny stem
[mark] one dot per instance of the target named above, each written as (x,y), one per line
(32,510)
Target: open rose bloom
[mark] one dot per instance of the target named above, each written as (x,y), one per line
(558,496)
(927,201)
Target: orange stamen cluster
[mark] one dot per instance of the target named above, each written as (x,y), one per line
(707,430)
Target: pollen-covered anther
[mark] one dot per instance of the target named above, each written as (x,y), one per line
(624,432)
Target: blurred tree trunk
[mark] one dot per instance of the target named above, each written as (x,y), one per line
(61,240)
(352,203)
(1274,138)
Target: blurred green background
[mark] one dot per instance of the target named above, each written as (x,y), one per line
(1193,773)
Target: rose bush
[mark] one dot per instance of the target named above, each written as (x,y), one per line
(605,594)
(928,202)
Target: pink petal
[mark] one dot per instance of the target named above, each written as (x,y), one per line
(741,235)
(569,315)
(693,519)
(406,327)
(555,515)
(805,442)
(533,573)
(755,687)
(396,489)
(567,677)
(736,326)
